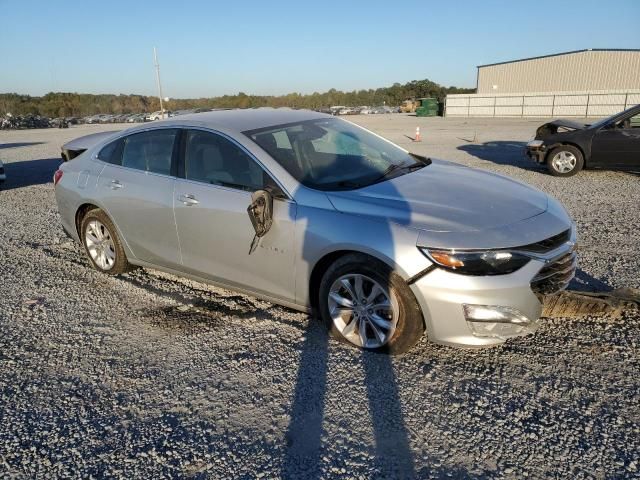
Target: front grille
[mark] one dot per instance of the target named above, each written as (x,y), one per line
(548,244)
(555,275)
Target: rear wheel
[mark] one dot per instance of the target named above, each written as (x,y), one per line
(101,242)
(565,161)
(364,303)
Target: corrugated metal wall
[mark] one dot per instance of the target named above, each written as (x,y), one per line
(542,104)
(579,71)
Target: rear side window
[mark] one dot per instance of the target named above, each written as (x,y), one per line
(111,153)
(150,151)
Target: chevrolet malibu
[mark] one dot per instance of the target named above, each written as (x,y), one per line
(315,213)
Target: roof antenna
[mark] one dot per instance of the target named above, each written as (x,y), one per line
(157,65)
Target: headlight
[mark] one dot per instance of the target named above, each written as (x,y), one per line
(535,143)
(490,262)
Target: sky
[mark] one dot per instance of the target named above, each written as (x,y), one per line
(211,48)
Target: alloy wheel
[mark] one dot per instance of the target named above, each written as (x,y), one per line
(564,162)
(363,311)
(100,245)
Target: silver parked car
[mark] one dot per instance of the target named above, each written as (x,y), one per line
(313,212)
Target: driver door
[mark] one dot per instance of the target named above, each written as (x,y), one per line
(214,229)
(618,145)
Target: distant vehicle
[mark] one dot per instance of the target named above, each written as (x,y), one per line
(566,146)
(60,122)
(365,110)
(409,106)
(93,119)
(316,213)
(137,118)
(158,115)
(177,113)
(3,176)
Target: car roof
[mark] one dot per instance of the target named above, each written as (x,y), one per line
(241,120)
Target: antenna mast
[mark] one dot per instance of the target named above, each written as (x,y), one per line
(157,65)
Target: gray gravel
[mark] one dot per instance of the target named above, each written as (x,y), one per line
(149,376)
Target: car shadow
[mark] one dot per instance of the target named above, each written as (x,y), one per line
(30,172)
(18,144)
(502,152)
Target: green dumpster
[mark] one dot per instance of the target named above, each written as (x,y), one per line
(428,107)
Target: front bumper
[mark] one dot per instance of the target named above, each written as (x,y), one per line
(442,296)
(537,153)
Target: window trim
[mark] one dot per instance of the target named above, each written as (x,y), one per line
(182,157)
(121,138)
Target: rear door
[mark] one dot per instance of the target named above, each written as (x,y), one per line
(618,144)
(211,200)
(136,188)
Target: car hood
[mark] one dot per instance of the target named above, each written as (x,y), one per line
(445,197)
(562,122)
(88,141)
(560,126)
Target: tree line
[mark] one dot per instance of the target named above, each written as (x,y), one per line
(60,104)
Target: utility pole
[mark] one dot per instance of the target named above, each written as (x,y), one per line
(157,65)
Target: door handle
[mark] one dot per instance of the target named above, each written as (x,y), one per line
(115,185)
(188,199)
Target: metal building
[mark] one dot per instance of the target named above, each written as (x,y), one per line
(578,71)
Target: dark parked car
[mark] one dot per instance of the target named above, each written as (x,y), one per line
(567,146)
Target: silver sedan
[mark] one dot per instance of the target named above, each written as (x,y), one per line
(318,214)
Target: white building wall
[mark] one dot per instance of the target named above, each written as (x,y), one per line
(541,104)
(572,71)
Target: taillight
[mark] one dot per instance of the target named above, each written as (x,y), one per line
(56,177)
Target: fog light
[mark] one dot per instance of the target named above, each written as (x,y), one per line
(498,322)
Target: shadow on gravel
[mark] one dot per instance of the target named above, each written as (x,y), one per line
(18,144)
(502,153)
(393,456)
(30,172)
(195,313)
(350,300)
(583,282)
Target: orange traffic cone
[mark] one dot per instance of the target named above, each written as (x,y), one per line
(417,138)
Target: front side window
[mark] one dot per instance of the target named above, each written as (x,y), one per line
(211,158)
(331,154)
(150,151)
(633,122)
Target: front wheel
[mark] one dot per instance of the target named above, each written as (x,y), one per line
(565,161)
(364,303)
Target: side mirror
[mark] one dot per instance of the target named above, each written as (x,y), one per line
(261,214)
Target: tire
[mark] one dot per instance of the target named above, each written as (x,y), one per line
(403,320)
(565,161)
(105,253)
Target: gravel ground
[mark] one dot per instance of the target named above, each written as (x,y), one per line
(149,376)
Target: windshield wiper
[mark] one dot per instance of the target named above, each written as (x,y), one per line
(349,184)
(398,167)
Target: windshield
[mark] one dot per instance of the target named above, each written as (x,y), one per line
(331,154)
(600,123)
